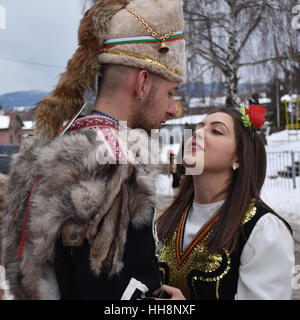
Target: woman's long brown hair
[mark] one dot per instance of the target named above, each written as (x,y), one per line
(245,185)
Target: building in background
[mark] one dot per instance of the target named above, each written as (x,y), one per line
(13,128)
(10,128)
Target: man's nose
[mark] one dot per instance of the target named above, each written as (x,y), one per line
(172,108)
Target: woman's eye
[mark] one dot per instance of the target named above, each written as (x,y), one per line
(171,94)
(217,132)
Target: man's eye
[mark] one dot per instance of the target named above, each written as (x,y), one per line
(171,94)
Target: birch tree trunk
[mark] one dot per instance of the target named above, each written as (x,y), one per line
(231,70)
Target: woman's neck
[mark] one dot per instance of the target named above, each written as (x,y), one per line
(210,187)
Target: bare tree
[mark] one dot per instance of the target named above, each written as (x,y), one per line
(218,33)
(87,4)
(288,45)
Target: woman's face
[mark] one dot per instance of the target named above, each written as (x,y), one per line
(213,144)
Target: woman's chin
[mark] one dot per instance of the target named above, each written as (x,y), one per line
(189,162)
(193,165)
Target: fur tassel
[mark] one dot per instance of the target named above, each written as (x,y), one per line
(81,72)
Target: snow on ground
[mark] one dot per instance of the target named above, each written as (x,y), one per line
(193,119)
(164,185)
(282,141)
(284,198)
(285,202)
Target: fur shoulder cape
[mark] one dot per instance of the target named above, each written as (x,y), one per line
(71,185)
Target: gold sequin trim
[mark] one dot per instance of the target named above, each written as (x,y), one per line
(199,259)
(214,279)
(251,212)
(144,58)
(222,275)
(163,271)
(217,289)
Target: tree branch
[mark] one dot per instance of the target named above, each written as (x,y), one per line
(253,63)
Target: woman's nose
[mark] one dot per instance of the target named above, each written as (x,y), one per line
(199,133)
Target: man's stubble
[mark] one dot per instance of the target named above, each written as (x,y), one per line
(142,113)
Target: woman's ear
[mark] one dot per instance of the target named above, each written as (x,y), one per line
(235,165)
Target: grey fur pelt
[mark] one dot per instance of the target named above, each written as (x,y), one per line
(71,185)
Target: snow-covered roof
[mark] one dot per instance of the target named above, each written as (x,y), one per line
(207,101)
(193,119)
(27,125)
(177,98)
(265,100)
(23,108)
(289,98)
(4,122)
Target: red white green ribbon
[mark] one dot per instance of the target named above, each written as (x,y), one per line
(70,122)
(143,39)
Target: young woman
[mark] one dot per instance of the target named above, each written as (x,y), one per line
(220,240)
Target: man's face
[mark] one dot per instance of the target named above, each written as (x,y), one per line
(157,107)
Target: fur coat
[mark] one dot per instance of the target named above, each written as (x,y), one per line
(71,185)
(3,179)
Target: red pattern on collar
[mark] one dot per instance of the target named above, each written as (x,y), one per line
(93,121)
(106,127)
(182,255)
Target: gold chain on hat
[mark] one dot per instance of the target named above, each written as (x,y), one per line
(163,46)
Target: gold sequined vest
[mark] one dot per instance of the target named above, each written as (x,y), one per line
(198,273)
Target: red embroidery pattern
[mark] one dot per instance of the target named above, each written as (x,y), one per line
(182,256)
(106,127)
(113,143)
(93,121)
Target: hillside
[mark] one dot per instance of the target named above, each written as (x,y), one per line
(21,98)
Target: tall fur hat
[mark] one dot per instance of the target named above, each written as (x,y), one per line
(137,33)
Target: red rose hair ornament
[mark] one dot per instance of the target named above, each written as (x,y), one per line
(253,117)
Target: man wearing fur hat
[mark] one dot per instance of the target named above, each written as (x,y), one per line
(76,227)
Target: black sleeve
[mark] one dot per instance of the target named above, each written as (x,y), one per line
(76,280)
(65,272)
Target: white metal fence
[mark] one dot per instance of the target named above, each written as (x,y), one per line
(283,169)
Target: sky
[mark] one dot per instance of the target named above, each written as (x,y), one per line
(41,32)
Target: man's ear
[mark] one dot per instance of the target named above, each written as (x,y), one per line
(143,85)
